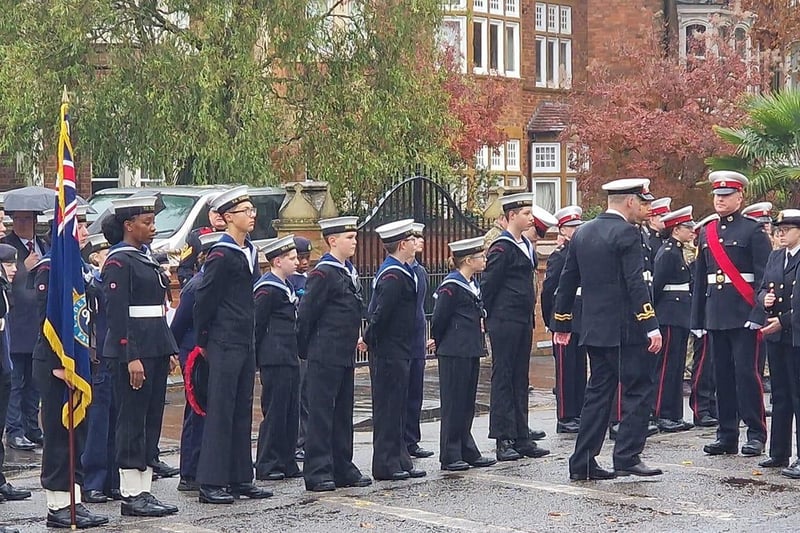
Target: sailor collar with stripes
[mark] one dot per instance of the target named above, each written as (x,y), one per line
(347,266)
(142,254)
(525,246)
(392,263)
(456,278)
(249,251)
(271,280)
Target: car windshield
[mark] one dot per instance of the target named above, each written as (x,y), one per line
(176,210)
(101,202)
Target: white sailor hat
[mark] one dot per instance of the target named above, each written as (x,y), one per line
(569,216)
(226,200)
(131,206)
(207,240)
(418,229)
(724,182)
(760,212)
(94,243)
(331,226)
(467,247)
(396,231)
(277,247)
(660,206)
(542,220)
(638,186)
(788,217)
(702,222)
(678,217)
(516,201)
(46,217)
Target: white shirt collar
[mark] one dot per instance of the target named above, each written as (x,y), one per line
(615,212)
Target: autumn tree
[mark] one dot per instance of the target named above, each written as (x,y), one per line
(654,115)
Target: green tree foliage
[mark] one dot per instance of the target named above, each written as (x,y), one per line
(233,91)
(767,147)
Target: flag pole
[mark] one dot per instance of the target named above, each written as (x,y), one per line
(70,402)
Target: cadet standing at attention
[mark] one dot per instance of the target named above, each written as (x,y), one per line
(509,298)
(456,328)
(328,322)
(224,318)
(279,369)
(731,257)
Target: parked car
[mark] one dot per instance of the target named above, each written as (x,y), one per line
(186,208)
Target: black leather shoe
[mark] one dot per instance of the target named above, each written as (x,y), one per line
(595,474)
(20,443)
(417,473)
(114,494)
(456,466)
(300,456)
(706,421)
(93,496)
(36,438)
(753,448)
(420,453)
(215,495)
(271,476)
(530,449)
(363,481)
(141,505)
(773,462)
(482,462)
(506,451)
(324,486)
(13,494)
(569,426)
(163,470)
(396,476)
(793,471)
(652,429)
(249,490)
(188,485)
(83,518)
(536,434)
(640,469)
(168,507)
(672,426)
(294,475)
(720,448)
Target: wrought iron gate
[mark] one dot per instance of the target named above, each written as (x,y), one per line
(421,198)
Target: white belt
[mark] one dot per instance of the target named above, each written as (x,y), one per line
(146,311)
(716,279)
(647,275)
(677,287)
(578,292)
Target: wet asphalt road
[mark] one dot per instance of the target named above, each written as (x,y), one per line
(697,493)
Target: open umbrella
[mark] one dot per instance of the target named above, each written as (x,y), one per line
(32,198)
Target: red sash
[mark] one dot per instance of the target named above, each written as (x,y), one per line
(744,289)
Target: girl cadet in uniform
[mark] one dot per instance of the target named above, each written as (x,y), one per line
(141,345)
(456,328)
(279,366)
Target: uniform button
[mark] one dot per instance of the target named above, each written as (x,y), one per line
(677,299)
(721,239)
(719,287)
(734,243)
(781,286)
(730,218)
(719,271)
(722,226)
(780,299)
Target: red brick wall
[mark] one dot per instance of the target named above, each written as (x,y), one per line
(10,179)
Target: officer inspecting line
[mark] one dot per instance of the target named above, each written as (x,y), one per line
(613,290)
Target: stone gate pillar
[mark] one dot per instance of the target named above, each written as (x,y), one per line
(305,204)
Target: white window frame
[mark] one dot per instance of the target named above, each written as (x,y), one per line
(512,70)
(454,5)
(535,169)
(482,158)
(480,6)
(513,145)
(540,18)
(462,45)
(554,82)
(514,180)
(496,9)
(548,180)
(497,158)
(541,78)
(501,37)
(565,82)
(484,68)
(572,188)
(565,20)
(512,8)
(553,18)
(572,150)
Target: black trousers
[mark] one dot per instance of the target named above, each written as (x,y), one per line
(277,434)
(329,434)
(416,381)
(191,434)
(389,395)
(669,373)
(22,419)
(458,383)
(739,390)
(140,412)
(100,470)
(570,378)
(703,398)
(225,455)
(5,393)
(55,454)
(784,369)
(303,421)
(630,365)
(511,354)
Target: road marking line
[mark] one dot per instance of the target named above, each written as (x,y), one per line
(644,502)
(418,515)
